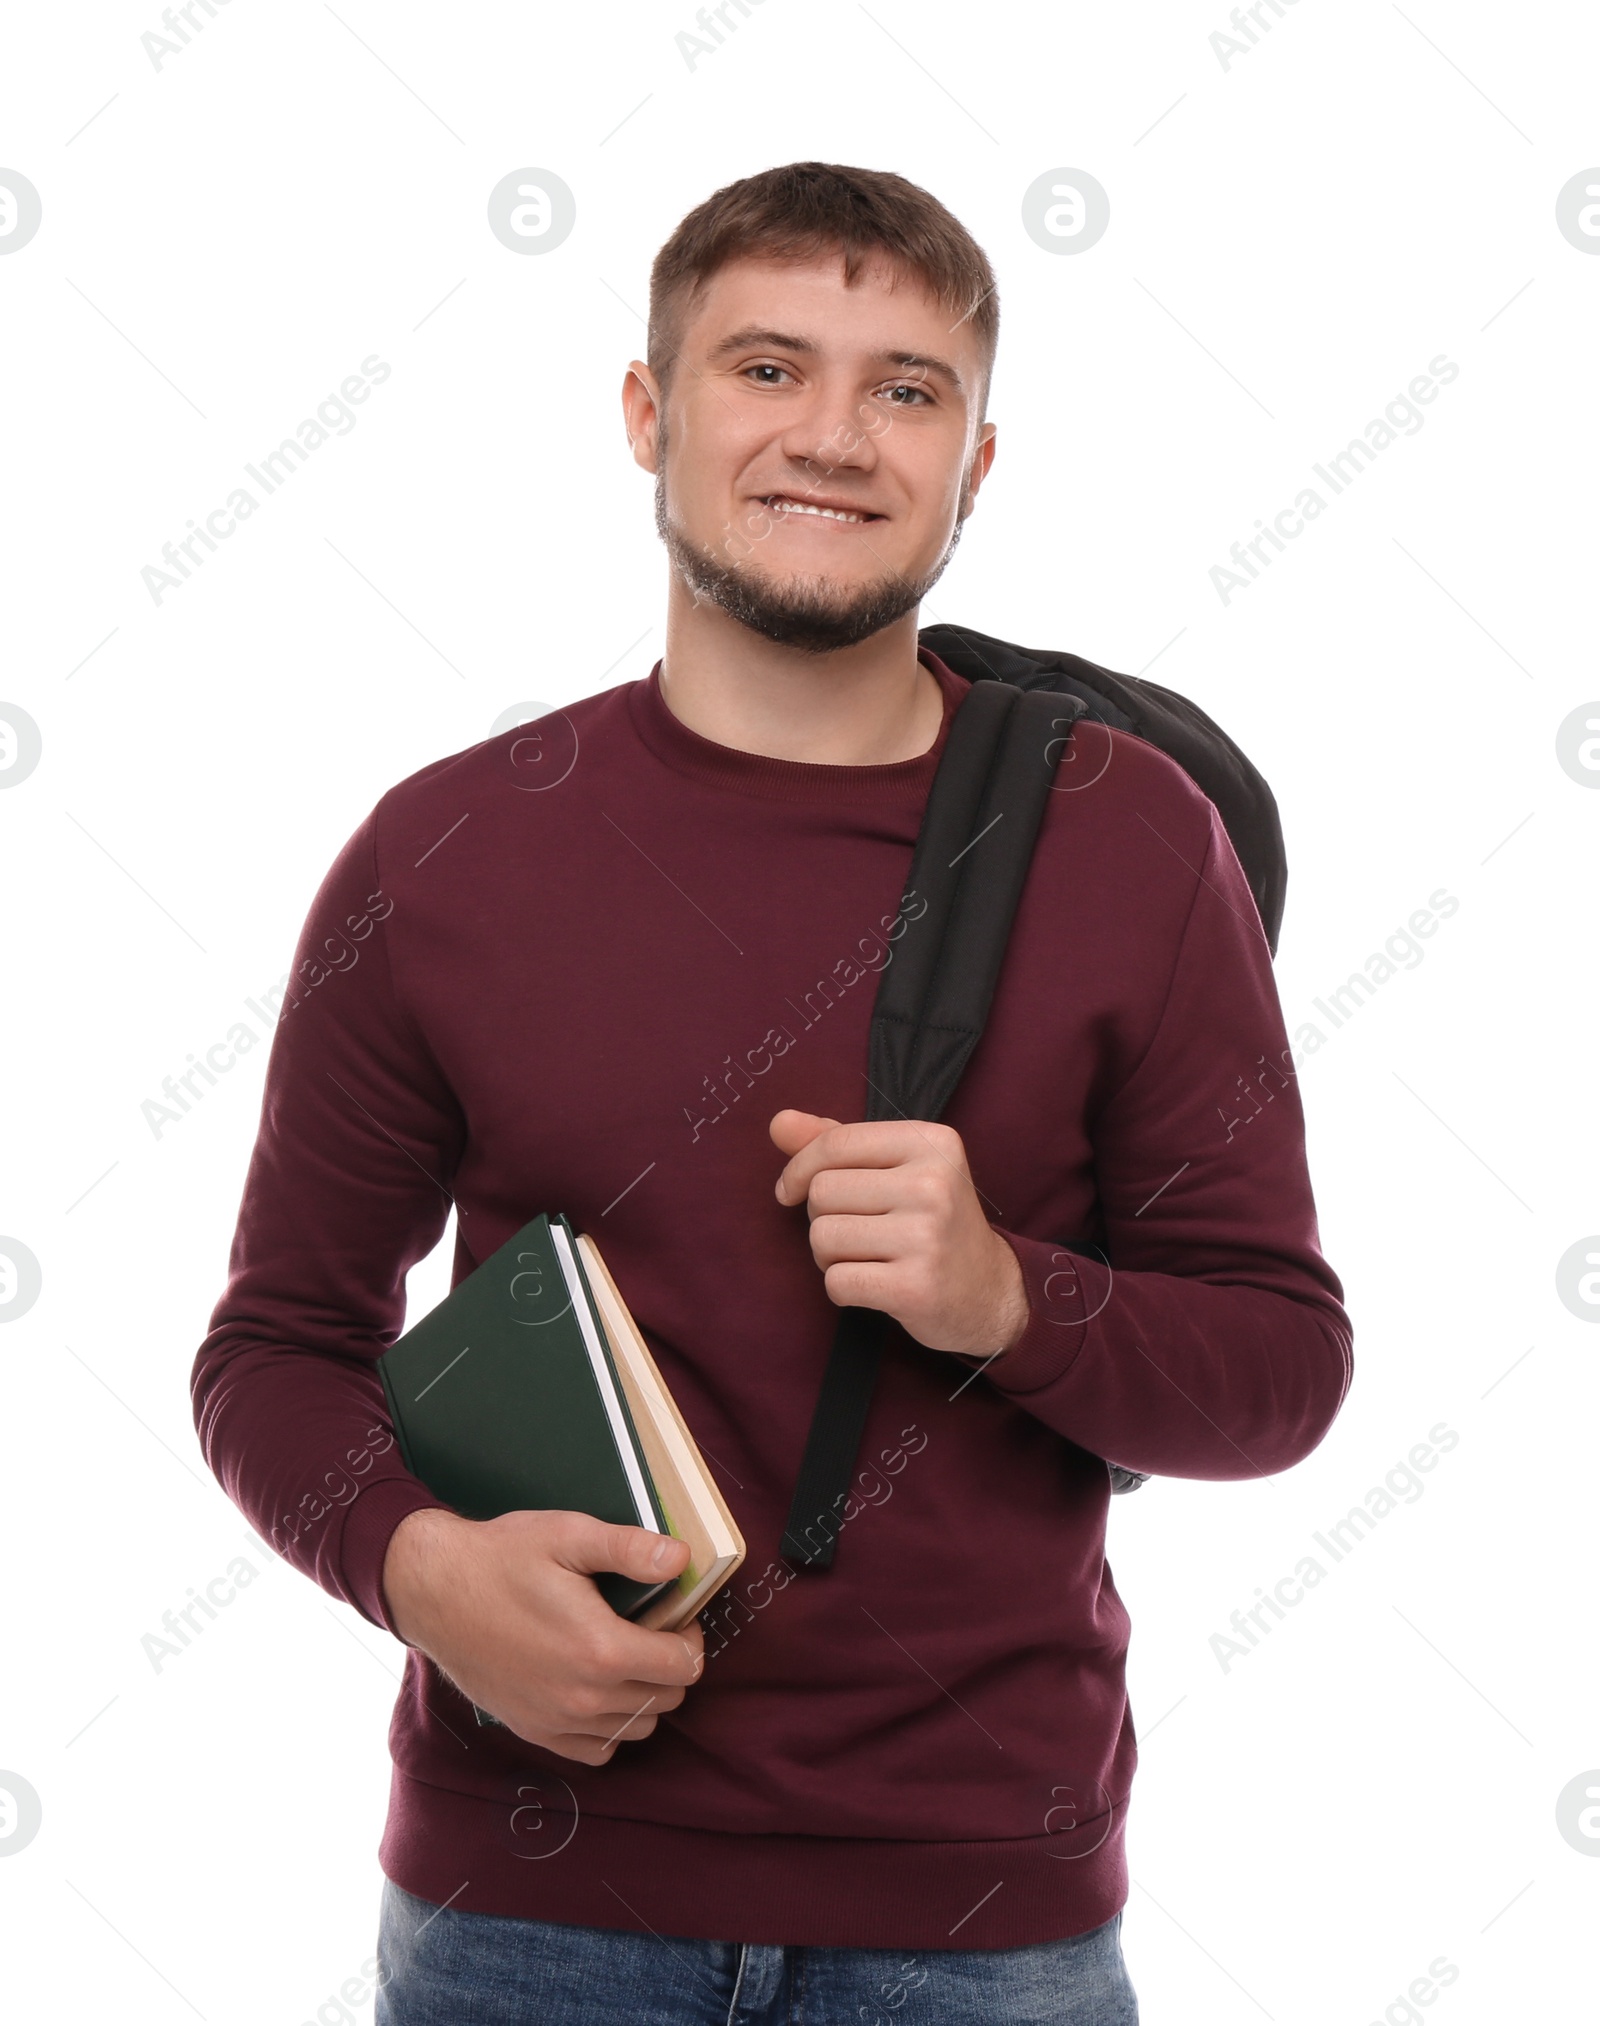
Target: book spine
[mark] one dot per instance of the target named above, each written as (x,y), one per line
(616,1377)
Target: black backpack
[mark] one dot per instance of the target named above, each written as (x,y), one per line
(1180,728)
(969,864)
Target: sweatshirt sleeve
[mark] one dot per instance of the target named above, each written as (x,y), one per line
(348,1186)
(1210,1340)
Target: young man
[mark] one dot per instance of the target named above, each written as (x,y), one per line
(621,964)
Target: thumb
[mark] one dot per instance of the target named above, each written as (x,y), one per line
(630,1551)
(791,1130)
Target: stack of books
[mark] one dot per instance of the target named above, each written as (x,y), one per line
(530,1388)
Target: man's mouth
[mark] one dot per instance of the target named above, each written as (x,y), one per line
(782,502)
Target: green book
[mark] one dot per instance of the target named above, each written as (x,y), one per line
(505,1398)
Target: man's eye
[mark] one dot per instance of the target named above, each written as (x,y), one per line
(906,387)
(767,368)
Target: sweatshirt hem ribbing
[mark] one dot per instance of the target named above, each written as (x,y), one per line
(793,1891)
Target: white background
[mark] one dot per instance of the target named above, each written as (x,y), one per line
(1293,238)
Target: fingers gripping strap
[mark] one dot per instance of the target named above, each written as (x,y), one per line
(969,867)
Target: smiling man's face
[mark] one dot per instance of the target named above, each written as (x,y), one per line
(821,446)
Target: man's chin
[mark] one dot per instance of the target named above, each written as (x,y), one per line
(814,615)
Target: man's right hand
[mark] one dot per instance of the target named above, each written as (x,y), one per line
(506,1609)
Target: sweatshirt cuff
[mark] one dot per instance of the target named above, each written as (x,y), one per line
(369,1525)
(1066,1290)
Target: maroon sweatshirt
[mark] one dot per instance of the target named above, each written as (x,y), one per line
(578,967)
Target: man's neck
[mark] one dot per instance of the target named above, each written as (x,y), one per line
(862,706)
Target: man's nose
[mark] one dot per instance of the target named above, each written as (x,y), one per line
(831,433)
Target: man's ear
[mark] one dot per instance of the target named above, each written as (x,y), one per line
(641,412)
(982,458)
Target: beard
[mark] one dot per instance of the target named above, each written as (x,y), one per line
(816,615)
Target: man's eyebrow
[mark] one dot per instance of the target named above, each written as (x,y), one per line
(757,336)
(925,362)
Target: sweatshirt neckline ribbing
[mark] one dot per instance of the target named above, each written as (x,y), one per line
(687,752)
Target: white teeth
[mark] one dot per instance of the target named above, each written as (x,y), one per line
(792,506)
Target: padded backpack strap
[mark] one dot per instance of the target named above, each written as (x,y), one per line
(968,870)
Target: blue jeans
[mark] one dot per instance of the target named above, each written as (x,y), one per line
(444,1968)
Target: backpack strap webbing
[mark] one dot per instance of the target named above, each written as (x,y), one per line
(968,869)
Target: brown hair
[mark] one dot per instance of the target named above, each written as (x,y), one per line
(808,208)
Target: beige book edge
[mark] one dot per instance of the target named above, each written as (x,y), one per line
(687,1490)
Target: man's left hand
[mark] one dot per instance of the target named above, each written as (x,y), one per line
(896,1225)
